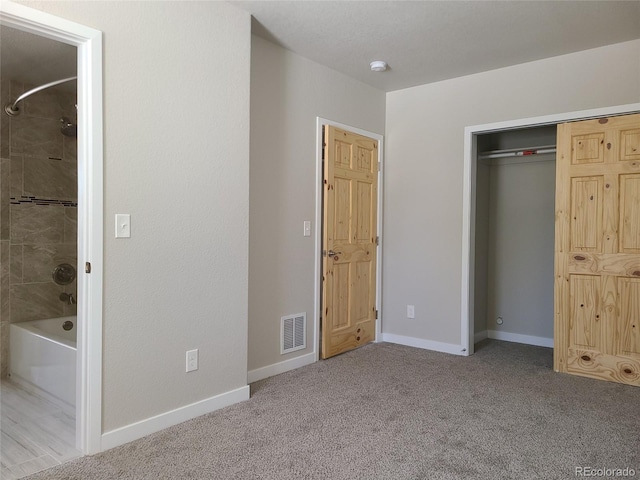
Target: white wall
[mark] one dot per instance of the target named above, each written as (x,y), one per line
(424,166)
(288,92)
(176,131)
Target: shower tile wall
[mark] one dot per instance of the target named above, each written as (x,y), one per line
(38,214)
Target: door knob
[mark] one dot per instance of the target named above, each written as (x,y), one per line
(331,253)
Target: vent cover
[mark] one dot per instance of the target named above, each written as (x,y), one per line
(293,331)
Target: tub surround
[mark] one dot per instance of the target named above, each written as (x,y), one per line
(38,214)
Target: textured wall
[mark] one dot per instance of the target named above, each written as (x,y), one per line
(176,157)
(288,92)
(38,215)
(424,169)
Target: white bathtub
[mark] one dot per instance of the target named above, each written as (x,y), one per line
(43,355)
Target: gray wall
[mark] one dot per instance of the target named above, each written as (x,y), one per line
(176,132)
(424,169)
(521,224)
(288,92)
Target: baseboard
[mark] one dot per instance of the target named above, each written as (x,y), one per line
(424,344)
(518,338)
(140,429)
(280,367)
(478,337)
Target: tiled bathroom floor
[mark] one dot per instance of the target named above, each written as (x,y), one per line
(35,433)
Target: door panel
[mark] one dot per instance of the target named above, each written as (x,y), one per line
(630,145)
(585,320)
(349,247)
(597,257)
(630,213)
(586,214)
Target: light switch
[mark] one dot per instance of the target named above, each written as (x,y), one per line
(307,228)
(123,225)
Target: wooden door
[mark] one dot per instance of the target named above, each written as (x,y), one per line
(349,241)
(597,252)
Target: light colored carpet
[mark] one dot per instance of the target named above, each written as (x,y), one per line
(392,412)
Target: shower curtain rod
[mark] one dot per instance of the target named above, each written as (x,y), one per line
(12,110)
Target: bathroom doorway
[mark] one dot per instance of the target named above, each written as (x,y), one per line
(75,279)
(38,231)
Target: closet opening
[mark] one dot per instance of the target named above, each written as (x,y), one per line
(482,184)
(514,235)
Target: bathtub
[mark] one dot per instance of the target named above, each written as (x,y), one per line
(43,355)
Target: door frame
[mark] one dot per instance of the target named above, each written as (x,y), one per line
(469,194)
(90,208)
(317,296)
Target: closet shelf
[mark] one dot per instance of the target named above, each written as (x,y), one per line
(518,152)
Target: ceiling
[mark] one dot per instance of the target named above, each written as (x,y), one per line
(422,41)
(428,41)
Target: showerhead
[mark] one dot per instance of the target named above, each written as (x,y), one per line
(68,128)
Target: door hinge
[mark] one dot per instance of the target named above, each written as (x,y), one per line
(376,313)
(378,166)
(377,240)
(87,267)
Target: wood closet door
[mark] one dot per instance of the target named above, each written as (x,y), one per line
(597,249)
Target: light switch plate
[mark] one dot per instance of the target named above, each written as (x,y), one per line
(307,228)
(123,225)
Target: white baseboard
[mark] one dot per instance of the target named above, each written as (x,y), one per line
(478,337)
(280,367)
(140,429)
(518,338)
(424,344)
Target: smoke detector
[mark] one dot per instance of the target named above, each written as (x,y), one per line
(378,66)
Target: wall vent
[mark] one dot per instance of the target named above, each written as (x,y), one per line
(293,331)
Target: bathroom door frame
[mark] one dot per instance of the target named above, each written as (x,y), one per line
(90,208)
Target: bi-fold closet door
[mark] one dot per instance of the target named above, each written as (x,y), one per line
(515,235)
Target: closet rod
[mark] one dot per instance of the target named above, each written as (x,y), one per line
(518,152)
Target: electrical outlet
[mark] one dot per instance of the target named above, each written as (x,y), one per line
(192,360)
(411,311)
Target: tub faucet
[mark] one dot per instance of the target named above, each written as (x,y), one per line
(68,297)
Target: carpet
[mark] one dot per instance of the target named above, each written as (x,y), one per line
(387,411)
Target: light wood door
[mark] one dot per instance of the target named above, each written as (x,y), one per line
(597,253)
(349,241)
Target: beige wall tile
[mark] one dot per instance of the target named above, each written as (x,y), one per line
(71,225)
(35,136)
(35,301)
(5,190)
(5,95)
(16,263)
(37,223)
(16,176)
(41,259)
(50,103)
(70,149)
(45,178)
